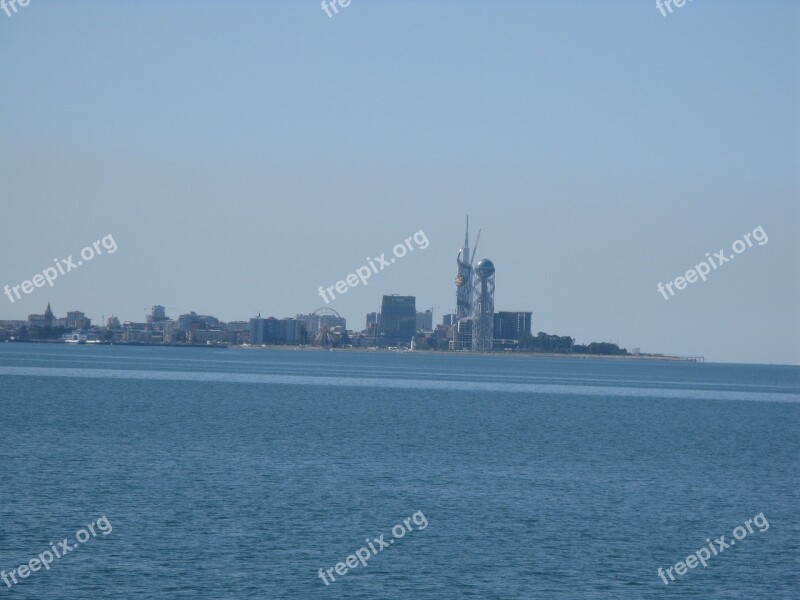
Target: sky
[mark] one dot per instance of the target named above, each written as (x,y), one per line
(243,154)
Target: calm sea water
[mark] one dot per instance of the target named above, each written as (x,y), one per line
(239,474)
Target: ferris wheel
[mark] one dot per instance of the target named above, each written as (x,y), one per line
(325,335)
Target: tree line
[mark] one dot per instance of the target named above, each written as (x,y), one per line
(564,344)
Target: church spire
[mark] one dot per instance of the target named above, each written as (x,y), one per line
(48,316)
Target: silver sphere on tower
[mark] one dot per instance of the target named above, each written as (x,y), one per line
(483,306)
(484,268)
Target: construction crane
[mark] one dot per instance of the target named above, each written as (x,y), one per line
(474,250)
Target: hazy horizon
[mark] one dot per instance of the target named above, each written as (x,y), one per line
(243,155)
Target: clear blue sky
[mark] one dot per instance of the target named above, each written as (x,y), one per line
(244,153)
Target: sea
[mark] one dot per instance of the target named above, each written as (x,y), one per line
(184,473)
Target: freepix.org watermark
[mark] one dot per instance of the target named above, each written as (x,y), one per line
(46,558)
(65,265)
(328,5)
(12,4)
(702,269)
(363,273)
(363,554)
(718,545)
(668,4)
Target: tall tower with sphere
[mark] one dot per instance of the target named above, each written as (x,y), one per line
(483,306)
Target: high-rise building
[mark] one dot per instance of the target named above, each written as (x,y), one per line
(398,320)
(483,306)
(462,336)
(372,323)
(290,331)
(257,331)
(271,330)
(464,280)
(194,321)
(512,325)
(77,320)
(276,331)
(425,321)
(157,314)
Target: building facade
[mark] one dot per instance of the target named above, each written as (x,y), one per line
(462,335)
(276,331)
(510,325)
(398,320)
(77,320)
(372,323)
(42,321)
(425,321)
(194,321)
(157,314)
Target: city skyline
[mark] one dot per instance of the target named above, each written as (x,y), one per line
(592,173)
(397,323)
(465,298)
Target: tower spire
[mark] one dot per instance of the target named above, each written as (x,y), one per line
(466,236)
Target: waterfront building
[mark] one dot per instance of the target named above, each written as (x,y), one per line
(290,331)
(238,332)
(462,338)
(372,323)
(257,330)
(398,320)
(425,321)
(510,325)
(206,336)
(77,320)
(443,334)
(157,314)
(276,331)
(41,321)
(194,321)
(169,331)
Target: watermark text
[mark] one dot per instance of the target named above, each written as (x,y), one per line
(46,558)
(63,266)
(718,545)
(363,554)
(702,269)
(365,272)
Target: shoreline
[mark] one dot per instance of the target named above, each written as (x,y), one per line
(645,357)
(668,358)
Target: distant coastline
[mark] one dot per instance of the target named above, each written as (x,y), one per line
(309,348)
(661,357)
